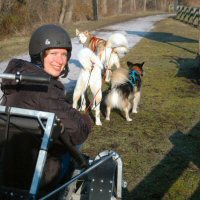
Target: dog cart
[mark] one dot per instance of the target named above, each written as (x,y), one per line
(24,132)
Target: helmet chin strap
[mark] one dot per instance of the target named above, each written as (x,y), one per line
(36,59)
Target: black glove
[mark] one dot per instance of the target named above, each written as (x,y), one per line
(87,119)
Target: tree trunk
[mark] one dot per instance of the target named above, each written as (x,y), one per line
(120,3)
(95,9)
(156,5)
(145,5)
(63,11)
(69,12)
(132,6)
(104,7)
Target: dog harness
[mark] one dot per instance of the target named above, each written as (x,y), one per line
(133,77)
(94,47)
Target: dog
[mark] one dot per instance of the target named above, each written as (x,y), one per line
(108,51)
(90,76)
(125,89)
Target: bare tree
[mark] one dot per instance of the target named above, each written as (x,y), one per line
(104,7)
(132,6)
(69,12)
(145,5)
(120,4)
(95,9)
(156,5)
(66,11)
(63,11)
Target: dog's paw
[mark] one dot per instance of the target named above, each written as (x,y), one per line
(82,108)
(108,118)
(98,123)
(129,120)
(134,111)
(107,80)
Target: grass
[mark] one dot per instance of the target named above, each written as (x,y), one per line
(160,148)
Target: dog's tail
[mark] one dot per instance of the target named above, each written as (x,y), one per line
(119,76)
(118,43)
(88,59)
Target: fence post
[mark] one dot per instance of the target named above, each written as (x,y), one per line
(199,30)
(198,54)
(95,9)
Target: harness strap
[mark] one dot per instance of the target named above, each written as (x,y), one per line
(138,69)
(92,101)
(133,77)
(94,47)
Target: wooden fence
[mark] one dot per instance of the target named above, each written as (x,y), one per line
(189,15)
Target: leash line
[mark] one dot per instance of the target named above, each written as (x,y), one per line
(92,101)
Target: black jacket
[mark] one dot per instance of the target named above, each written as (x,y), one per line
(50,98)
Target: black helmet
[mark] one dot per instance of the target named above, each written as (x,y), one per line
(46,37)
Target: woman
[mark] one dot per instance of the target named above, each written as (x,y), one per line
(50,50)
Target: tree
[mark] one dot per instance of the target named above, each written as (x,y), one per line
(145,5)
(66,11)
(104,7)
(63,10)
(120,3)
(132,5)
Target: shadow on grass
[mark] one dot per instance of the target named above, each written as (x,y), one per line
(184,154)
(167,38)
(188,68)
(162,36)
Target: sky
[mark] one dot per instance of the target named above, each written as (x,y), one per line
(134,30)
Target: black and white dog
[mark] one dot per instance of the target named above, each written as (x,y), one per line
(125,89)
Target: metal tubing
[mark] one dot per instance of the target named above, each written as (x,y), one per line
(93,166)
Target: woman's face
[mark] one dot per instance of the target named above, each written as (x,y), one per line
(55,61)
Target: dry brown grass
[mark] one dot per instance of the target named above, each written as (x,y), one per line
(15,45)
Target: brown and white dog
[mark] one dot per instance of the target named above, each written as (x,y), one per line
(108,51)
(125,89)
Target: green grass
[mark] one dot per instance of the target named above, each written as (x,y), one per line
(160,148)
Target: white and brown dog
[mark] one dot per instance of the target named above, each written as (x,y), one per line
(125,89)
(89,77)
(108,51)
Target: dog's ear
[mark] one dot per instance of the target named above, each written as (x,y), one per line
(77,32)
(130,64)
(141,64)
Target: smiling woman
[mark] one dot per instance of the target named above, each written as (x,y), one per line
(54,61)
(49,49)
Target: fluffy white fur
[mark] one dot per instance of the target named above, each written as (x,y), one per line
(116,46)
(90,76)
